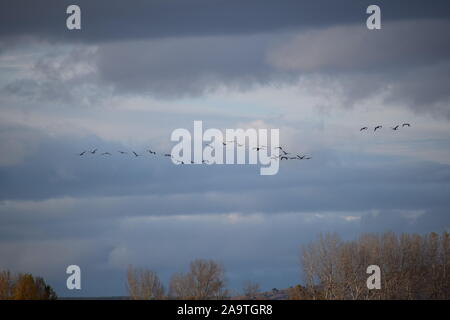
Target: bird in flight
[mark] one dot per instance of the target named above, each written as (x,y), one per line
(259,148)
(363,128)
(300,157)
(377,127)
(406,125)
(167,155)
(395,128)
(82,154)
(106,154)
(151,152)
(122,152)
(136,155)
(94,151)
(283,158)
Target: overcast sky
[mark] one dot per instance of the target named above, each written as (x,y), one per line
(140,69)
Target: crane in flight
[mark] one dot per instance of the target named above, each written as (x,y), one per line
(260,148)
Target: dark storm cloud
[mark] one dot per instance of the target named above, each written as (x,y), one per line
(350,48)
(408,61)
(116,20)
(176,67)
(172,49)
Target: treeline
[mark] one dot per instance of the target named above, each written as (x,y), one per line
(24,286)
(412,266)
(204,280)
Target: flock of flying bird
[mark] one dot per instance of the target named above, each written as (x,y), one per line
(283,154)
(393,128)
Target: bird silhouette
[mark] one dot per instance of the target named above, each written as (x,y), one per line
(363,128)
(377,127)
(406,125)
(395,128)
(259,148)
(284,155)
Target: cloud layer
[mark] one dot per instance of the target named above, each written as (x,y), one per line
(135,73)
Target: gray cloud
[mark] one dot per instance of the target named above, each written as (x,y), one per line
(397,45)
(135,185)
(406,63)
(112,20)
(361,63)
(180,66)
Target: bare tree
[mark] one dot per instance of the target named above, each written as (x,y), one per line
(413,267)
(181,287)
(251,290)
(144,284)
(205,280)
